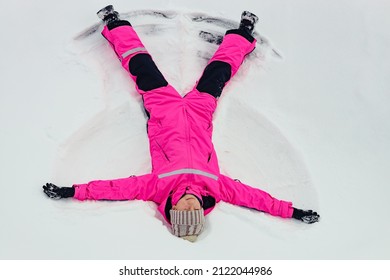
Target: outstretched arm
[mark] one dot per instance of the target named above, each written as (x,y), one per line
(136,187)
(237,193)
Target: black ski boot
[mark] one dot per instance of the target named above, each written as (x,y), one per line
(108,14)
(248,22)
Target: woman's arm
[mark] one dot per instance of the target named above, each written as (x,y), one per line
(237,193)
(135,187)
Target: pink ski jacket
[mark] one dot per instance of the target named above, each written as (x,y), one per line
(180,138)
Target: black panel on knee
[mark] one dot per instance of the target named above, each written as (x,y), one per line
(148,76)
(214,77)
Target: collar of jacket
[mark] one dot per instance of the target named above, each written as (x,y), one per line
(189,189)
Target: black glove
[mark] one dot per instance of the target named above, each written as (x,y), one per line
(55,192)
(306,216)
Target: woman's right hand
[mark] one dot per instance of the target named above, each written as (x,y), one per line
(55,192)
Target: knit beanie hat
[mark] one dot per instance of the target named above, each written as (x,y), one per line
(187,223)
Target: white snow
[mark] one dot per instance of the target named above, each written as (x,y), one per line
(306,119)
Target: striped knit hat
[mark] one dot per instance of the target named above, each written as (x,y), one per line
(187,223)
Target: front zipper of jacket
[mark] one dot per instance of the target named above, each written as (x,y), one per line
(188,141)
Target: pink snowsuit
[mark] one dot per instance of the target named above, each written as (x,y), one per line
(180,138)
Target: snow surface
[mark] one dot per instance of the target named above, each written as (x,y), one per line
(306,119)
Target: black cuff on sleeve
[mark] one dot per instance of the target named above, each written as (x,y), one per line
(297,213)
(67,192)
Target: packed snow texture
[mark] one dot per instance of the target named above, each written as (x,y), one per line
(306,119)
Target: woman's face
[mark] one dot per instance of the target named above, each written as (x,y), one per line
(188,202)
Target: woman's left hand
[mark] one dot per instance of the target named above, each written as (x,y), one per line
(306,216)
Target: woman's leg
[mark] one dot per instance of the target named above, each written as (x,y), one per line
(134,56)
(226,61)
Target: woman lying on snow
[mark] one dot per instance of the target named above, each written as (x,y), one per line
(185,181)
